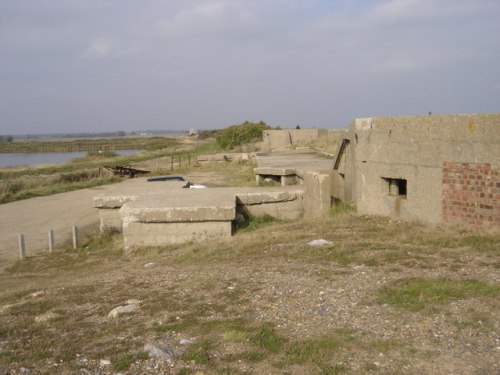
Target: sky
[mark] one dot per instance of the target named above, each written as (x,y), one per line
(107,65)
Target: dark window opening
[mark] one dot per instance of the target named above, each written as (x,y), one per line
(396,186)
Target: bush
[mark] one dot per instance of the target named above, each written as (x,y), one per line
(206,134)
(237,135)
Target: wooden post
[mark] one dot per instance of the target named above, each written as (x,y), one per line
(189,159)
(172,163)
(51,240)
(179,160)
(75,237)
(22,247)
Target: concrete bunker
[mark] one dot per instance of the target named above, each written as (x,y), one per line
(437,168)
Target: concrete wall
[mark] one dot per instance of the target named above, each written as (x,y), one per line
(410,153)
(317,199)
(291,138)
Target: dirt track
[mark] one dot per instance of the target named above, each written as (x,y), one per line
(34,217)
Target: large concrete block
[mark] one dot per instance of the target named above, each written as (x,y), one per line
(317,200)
(140,235)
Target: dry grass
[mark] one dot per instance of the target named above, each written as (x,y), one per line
(247,305)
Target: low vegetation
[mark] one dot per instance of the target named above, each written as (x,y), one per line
(99,144)
(238,135)
(168,154)
(380,296)
(383,297)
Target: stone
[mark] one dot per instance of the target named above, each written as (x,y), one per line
(131,307)
(39,293)
(320,242)
(104,362)
(149,265)
(47,317)
(159,351)
(185,342)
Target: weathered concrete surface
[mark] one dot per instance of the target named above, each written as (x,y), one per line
(318,198)
(108,203)
(183,205)
(139,235)
(306,160)
(287,176)
(186,215)
(276,140)
(282,205)
(412,150)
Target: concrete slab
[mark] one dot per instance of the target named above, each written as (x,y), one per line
(183,205)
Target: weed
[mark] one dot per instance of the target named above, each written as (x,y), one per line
(124,363)
(340,208)
(317,350)
(419,293)
(267,338)
(199,352)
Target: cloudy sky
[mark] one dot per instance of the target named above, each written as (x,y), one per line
(105,65)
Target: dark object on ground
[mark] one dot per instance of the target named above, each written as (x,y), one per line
(166,178)
(125,171)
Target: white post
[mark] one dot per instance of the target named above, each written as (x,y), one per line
(22,248)
(75,237)
(51,240)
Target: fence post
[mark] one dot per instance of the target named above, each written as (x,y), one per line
(51,240)
(75,237)
(22,247)
(179,160)
(172,163)
(189,159)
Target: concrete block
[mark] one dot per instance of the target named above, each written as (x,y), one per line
(139,235)
(318,198)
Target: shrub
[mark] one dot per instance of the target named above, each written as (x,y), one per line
(237,135)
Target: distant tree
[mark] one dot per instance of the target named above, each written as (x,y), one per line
(120,133)
(6,138)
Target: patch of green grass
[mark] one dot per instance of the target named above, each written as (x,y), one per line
(317,350)
(333,254)
(419,293)
(267,338)
(176,326)
(198,352)
(124,363)
(340,208)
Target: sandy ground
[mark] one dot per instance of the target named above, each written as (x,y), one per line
(60,212)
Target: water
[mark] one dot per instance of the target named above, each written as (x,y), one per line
(37,158)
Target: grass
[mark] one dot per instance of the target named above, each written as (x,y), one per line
(269,321)
(419,293)
(23,183)
(318,350)
(267,338)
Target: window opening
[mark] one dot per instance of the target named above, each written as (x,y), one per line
(396,186)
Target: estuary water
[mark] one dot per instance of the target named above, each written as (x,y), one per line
(38,158)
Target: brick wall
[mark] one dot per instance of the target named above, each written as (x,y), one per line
(471,194)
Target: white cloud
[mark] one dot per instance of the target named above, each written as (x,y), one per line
(206,19)
(101,47)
